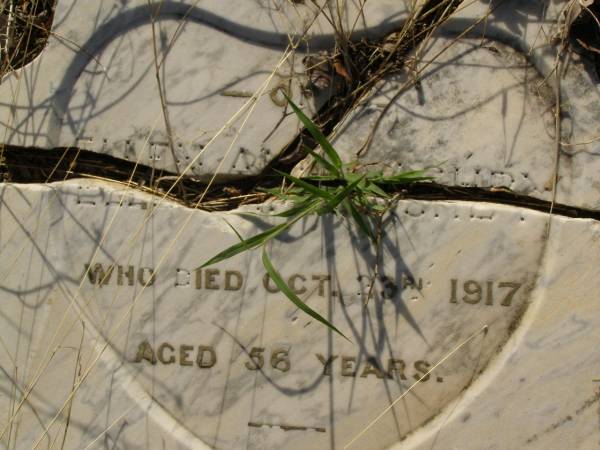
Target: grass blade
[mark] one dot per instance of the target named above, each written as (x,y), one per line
(317,135)
(404,177)
(235,231)
(308,186)
(320,178)
(374,189)
(285,289)
(247,244)
(290,194)
(324,163)
(301,209)
(363,225)
(341,195)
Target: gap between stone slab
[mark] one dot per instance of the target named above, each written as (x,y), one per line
(34,166)
(24,30)
(346,68)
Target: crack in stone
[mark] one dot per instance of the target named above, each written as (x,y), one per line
(30,165)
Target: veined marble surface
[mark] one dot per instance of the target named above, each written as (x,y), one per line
(543,390)
(224,69)
(156,354)
(483,112)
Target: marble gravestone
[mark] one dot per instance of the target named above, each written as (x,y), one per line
(483,323)
(224,70)
(225,355)
(493,124)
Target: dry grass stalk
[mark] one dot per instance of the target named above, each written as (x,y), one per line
(360,65)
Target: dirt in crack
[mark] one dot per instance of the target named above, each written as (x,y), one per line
(344,75)
(24,30)
(39,166)
(350,72)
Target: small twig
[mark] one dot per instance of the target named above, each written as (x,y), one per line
(377,243)
(575,144)
(483,329)
(161,93)
(75,372)
(557,118)
(591,14)
(8,38)
(366,145)
(589,48)
(236,93)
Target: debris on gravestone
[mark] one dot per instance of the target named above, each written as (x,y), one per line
(24,30)
(185,87)
(477,103)
(482,319)
(219,348)
(108,316)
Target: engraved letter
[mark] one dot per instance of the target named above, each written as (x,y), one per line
(258,360)
(396,366)
(161,353)
(423,368)
(280,359)
(365,287)
(233,285)
(348,366)
(97,275)
(145,352)
(182,277)
(472,288)
(390,289)
(209,279)
(321,279)
(292,283)
(514,287)
(204,363)
(267,285)
(489,300)
(128,274)
(198,278)
(326,363)
(371,367)
(141,279)
(184,353)
(453,291)
(408,280)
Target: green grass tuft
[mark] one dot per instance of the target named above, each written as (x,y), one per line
(340,189)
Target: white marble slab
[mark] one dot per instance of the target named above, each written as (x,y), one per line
(482,115)
(94,87)
(140,379)
(543,390)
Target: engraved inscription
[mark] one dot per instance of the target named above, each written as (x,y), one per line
(279,359)
(259,358)
(470,292)
(474,292)
(126,275)
(202,356)
(215,279)
(369,367)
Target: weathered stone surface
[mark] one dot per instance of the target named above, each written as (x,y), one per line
(112,338)
(95,85)
(483,112)
(173,358)
(543,390)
